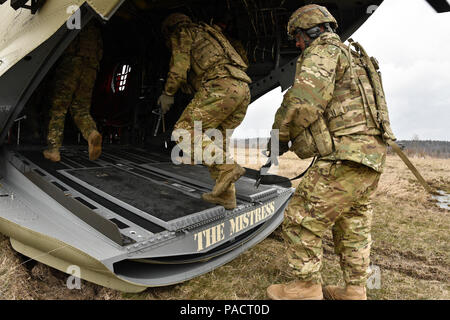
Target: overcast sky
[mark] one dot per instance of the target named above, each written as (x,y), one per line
(412,43)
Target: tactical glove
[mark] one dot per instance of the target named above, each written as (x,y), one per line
(165,102)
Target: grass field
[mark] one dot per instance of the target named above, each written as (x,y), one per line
(411,247)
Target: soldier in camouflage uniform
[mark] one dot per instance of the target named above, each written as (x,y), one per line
(202,57)
(329,109)
(72,90)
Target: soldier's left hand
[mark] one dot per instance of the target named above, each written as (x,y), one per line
(166,102)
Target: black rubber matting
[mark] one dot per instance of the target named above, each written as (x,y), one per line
(144,163)
(156,199)
(52,168)
(200,175)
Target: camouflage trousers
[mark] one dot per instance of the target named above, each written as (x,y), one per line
(72,90)
(336,195)
(219,104)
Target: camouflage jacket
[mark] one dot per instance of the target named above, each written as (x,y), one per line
(321,69)
(88,44)
(198,57)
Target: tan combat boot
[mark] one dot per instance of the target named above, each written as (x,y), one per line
(228,174)
(226,199)
(296,290)
(52,155)
(95,145)
(347,293)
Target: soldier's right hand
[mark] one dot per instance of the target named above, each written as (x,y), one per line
(166,102)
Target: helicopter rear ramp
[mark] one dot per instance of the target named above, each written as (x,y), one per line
(130,220)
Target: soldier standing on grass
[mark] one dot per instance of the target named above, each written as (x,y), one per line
(203,58)
(72,89)
(335,111)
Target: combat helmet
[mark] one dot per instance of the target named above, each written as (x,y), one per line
(310,16)
(172,21)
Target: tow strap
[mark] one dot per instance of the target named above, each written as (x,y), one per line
(272,179)
(410,166)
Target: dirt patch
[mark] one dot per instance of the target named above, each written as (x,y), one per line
(410,264)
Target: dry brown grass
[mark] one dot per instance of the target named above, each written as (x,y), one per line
(411,246)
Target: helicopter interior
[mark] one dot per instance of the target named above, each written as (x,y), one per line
(135,64)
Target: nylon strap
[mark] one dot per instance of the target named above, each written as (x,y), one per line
(410,166)
(271,179)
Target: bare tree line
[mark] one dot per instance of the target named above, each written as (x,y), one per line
(415,147)
(422,148)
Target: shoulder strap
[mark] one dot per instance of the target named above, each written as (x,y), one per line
(381,114)
(347,51)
